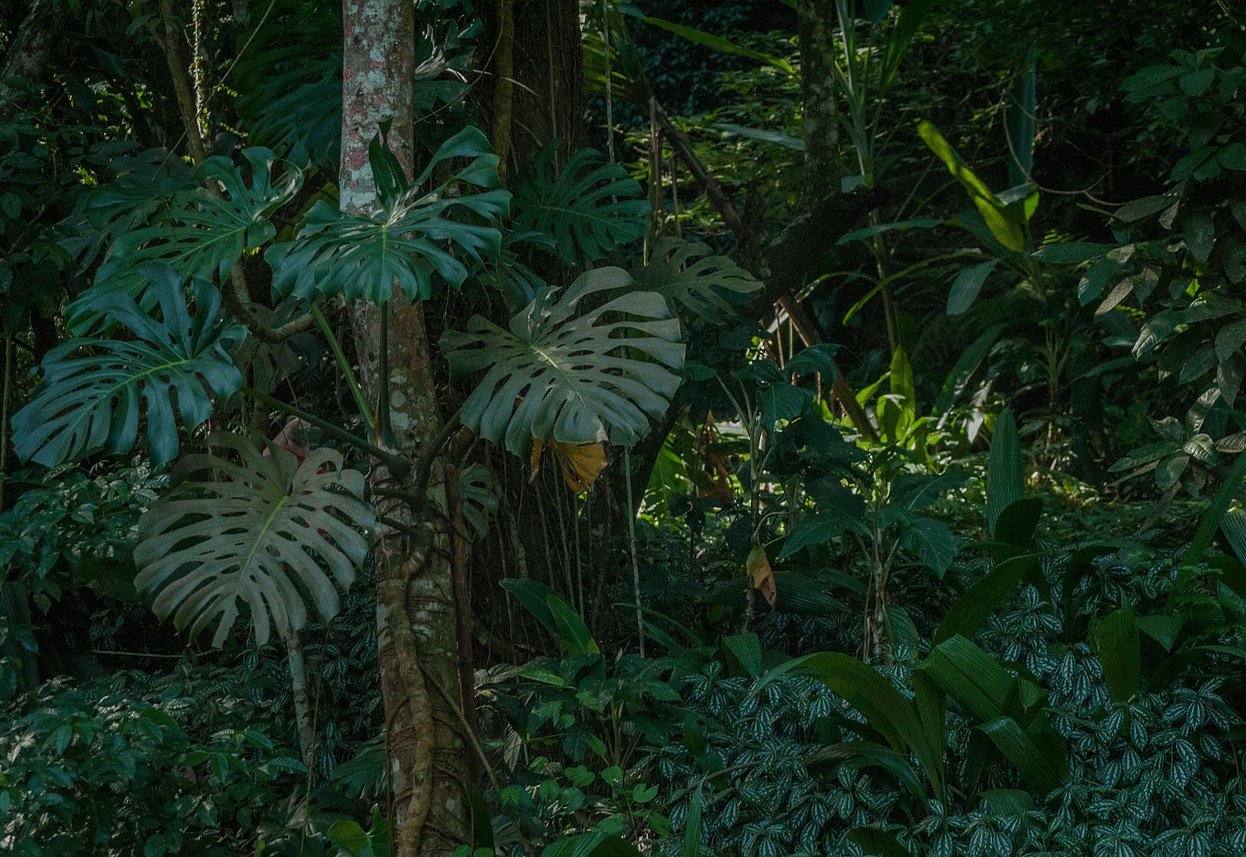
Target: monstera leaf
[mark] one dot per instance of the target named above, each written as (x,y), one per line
(143,186)
(94,391)
(570,376)
(256,528)
(203,233)
(410,236)
(695,282)
(589,209)
(289,82)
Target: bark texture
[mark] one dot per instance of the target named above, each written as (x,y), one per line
(816,26)
(28,54)
(416,621)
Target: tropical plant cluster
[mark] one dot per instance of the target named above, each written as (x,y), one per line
(755,429)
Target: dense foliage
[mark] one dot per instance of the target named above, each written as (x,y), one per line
(878,492)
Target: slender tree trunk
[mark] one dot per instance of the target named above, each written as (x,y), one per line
(416,626)
(816,25)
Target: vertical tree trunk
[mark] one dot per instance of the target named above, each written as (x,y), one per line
(416,625)
(28,53)
(816,26)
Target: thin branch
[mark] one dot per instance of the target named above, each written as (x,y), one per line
(398,464)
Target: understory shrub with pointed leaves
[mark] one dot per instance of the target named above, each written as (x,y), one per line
(131,767)
(94,392)
(273,532)
(589,363)
(1156,775)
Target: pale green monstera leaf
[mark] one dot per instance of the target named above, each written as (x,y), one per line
(694,281)
(587,364)
(257,528)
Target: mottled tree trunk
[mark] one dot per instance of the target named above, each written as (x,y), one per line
(416,623)
(816,23)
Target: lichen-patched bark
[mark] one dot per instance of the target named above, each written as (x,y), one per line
(416,625)
(817,82)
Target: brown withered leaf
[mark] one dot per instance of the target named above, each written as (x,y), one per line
(580,462)
(758,568)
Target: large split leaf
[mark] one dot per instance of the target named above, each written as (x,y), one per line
(589,208)
(203,232)
(94,391)
(263,530)
(694,281)
(571,374)
(289,82)
(411,235)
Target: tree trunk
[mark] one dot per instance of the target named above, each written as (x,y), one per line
(416,626)
(28,54)
(816,25)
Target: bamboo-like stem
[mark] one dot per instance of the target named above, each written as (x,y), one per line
(631,542)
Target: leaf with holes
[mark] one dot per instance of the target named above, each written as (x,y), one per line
(571,374)
(255,527)
(204,232)
(589,208)
(694,281)
(94,392)
(408,238)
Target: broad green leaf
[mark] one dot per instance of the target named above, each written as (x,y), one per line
(477,492)
(877,229)
(571,374)
(1017,521)
(967,285)
(94,392)
(762,135)
(1005,229)
(977,681)
(595,844)
(1071,253)
(718,43)
(571,628)
(1120,654)
(589,207)
(407,239)
(1215,513)
(1162,628)
(858,755)
(1035,762)
(745,650)
(971,610)
(932,542)
(257,527)
(144,186)
(1022,124)
(1005,481)
(205,230)
(533,596)
(971,358)
(692,828)
(884,708)
(695,282)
